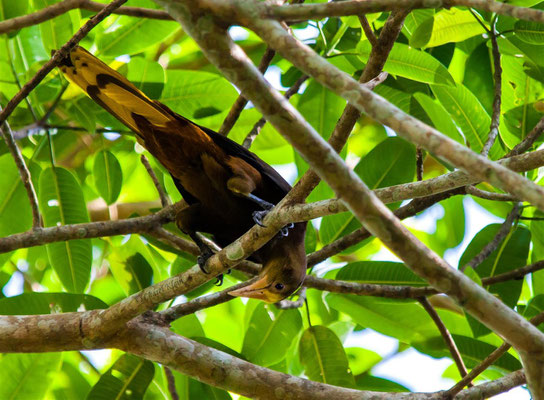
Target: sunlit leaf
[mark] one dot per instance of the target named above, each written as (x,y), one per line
(127,379)
(324,358)
(108,177)
(411,63)
(61,202)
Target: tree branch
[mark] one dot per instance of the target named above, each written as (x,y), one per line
(497,77)
(356,7)
(241,101)
(231,60)
(160,190)
(54,10)
(489,248)
(448,339)
(24,173)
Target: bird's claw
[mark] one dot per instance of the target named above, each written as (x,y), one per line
(219,280)
(202,259)
(258,217)
(285,230)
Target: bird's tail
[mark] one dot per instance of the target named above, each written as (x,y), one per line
(114,92)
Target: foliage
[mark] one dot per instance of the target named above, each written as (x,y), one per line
(439,71)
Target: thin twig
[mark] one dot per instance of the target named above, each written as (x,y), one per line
(448,339)
(203,302)
(171,383)
(489,248)
(57,57)
(174,241)
(526,143)
(241,101)
(62,7)
(163,196)
(367,29)
(494,356)
(474,191)
(419,163)
(24,172)
(248,141)
(517,273)
(497,77)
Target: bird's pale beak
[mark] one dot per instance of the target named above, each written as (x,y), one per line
(257,290)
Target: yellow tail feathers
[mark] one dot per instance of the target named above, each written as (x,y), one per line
(113,91)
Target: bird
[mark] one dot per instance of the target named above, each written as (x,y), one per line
(227,187)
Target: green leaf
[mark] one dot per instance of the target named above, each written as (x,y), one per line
(405,320)
(534,307)
(191,389)
(414,19)
(148,76)
(15,212)
(133,273)
(369,382)
(79,111)
(55,32)
(511,253)
(530,32)
(320,107)
(361,360)
(450,229)
(127,379)
(379,272)
(188,326)
(411,63)
(188,92)
(27,376)
(61,202)
(34,303)
(133,35)
(267,339)
(324,358)
(11,9)
(108,177)
(439,117)
(446,26)
(398,157)
(474,351)
(469,115)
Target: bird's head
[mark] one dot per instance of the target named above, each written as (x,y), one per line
(283,272)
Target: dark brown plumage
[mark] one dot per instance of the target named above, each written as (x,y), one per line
(226,186)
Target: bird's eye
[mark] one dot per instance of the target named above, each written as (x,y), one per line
(279,286)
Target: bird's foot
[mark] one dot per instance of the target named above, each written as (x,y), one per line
(284,232)
(258,217)
(203,258)
(219,280)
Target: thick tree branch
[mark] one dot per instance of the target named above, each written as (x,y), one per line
(350,115)
(288,213)
(375,106)
(230,59)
